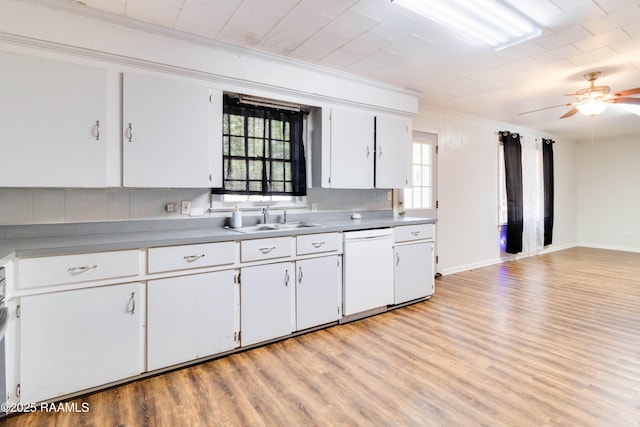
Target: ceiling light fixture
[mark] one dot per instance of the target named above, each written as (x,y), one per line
(592,107)
(492,22)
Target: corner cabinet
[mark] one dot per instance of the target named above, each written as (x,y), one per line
(53,123)
(78,339)
(170,133)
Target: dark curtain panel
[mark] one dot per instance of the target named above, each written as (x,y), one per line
(298,160)
(547,166)
(513,177)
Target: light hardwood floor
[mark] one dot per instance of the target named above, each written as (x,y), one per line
(552,340)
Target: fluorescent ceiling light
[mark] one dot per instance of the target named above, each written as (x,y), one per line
(489,21)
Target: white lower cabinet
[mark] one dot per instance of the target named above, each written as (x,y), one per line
(266,302)
(318,291)
(74,340)
(413,271)
(190,317)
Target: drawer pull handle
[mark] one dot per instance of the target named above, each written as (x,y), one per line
(267,250)
(82,269)
(286,277)
(300,274)
(415,233)
(129,134)
(192,258)
(317,244)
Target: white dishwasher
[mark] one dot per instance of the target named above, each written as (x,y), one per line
(368,270)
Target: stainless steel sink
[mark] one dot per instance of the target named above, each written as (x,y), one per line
(276,227)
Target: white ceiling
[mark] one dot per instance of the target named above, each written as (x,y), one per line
(379,40)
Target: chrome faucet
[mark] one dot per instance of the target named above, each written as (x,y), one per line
(265,214)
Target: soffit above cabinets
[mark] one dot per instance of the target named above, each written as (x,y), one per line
(378,40)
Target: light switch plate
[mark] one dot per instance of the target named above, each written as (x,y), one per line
(186,207)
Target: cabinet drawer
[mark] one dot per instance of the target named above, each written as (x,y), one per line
(255,250)
(191,256)
(63,269)
(317,243)
(407,233)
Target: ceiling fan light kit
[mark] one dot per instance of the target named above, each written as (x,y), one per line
(592,108)
(593,100)
(491,22)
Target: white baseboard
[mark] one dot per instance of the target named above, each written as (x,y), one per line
(507,257)
(610,247)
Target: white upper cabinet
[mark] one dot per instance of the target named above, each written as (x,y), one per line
(169,132)
(393,151)
(352,148)
(53,123)
(356,149)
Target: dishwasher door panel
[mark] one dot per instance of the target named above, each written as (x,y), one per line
(368,274)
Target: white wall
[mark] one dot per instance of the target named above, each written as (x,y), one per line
(608,177)
(468,234)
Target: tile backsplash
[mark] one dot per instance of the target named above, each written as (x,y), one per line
(53,206)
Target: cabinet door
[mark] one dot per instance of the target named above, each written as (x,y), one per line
(70,341)
(190,317)
(168,133)
(393,145)
(351,149)
(318,289)
(413,272)
(53,123)
(266,302)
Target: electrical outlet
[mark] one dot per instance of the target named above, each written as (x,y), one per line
(389,196)
(172,207)
(186,207)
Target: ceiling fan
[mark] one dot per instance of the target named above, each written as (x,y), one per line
(594,99)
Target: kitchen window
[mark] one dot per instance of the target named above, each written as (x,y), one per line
(263,151)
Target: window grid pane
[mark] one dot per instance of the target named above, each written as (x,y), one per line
(264,153)
(419,196)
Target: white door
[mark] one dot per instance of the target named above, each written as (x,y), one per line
(352,138)
(421,199)
(53,123)
(318,287)
(413,271)
(190,317)
(266,302)
(393,145)
(73,340)
(168,132)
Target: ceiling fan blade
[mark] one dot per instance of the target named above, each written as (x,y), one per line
(623,100)
(545,108)
(628,92)
(569,113)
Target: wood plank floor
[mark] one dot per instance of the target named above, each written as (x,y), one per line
(552,340)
